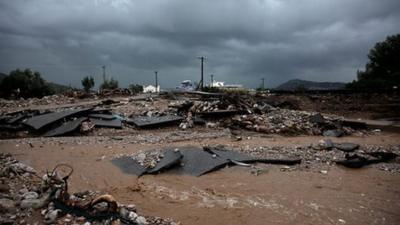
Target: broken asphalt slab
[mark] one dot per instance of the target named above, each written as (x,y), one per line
(129,166)
(149,122)
(170,159)
(115,123)
(196,161)
(101,116)
(358,161)
(65,128)
(346,146)
(41,121)
(333,133)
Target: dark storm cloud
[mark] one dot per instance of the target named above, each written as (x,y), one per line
(242,40)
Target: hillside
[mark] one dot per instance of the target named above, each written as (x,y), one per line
(295,84)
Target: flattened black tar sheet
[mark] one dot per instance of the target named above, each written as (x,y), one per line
(38,122)
(144,122)
(65,128)
(102,116)
(170,159)
(196,162)
(130,166)
(115,123)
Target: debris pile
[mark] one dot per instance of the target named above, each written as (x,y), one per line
(23,194)
(326,152)
(46,100)
(61,122)
(213,112)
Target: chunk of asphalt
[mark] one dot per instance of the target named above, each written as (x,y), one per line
(148,122)
(170,159)
(358,161)
(101,116)
(346,146)
(196,162)
(115,123)
(65,128)
(129,165)
(317,118)
(333,133)
(41,121)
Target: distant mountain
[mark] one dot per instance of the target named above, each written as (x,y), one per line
(298,84)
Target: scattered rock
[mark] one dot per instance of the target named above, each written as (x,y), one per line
(7,205)
(346,146)
(30,195)
(4,188)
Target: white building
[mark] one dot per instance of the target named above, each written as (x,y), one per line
(217,84)
(151,89)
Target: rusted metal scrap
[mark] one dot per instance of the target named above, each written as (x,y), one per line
(58,187)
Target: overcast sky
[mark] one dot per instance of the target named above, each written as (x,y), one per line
(243,40)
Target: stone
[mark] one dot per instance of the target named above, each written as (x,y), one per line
(51,216)
(30,195)
(141,220)
(124,213)
(132,216)
(211,125)
(34,203)
(325,144)
(132,207)
(21,168)
(4,188)
(7,205)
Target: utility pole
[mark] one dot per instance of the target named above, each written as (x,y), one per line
(156,72)
(202,68)
(262,85)
(212,80)
(104,73)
